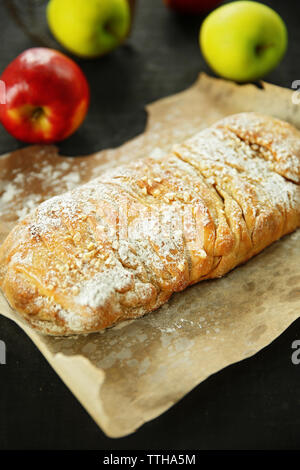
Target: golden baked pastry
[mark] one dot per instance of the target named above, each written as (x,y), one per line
(119,246)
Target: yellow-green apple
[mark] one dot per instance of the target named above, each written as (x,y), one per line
(243,40)
(47,96)
(89,28)
(192,6)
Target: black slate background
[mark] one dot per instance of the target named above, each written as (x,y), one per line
(254,404)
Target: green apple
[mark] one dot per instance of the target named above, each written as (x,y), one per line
(243,40)
(89,28)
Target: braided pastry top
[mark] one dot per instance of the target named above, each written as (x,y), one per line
(119,246)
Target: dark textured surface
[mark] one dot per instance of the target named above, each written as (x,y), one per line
(251,405)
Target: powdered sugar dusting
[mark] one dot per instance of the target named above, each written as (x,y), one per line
(42,178)
(96,292)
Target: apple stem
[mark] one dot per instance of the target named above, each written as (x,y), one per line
(259,49)
(108,28)
(37,113)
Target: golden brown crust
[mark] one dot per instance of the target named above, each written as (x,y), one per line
(119,246)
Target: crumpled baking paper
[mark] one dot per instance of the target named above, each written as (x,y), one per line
(132,373)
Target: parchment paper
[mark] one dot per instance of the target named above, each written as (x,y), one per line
(132,373)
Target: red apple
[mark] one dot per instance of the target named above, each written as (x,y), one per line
(47,96)
(192,6)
